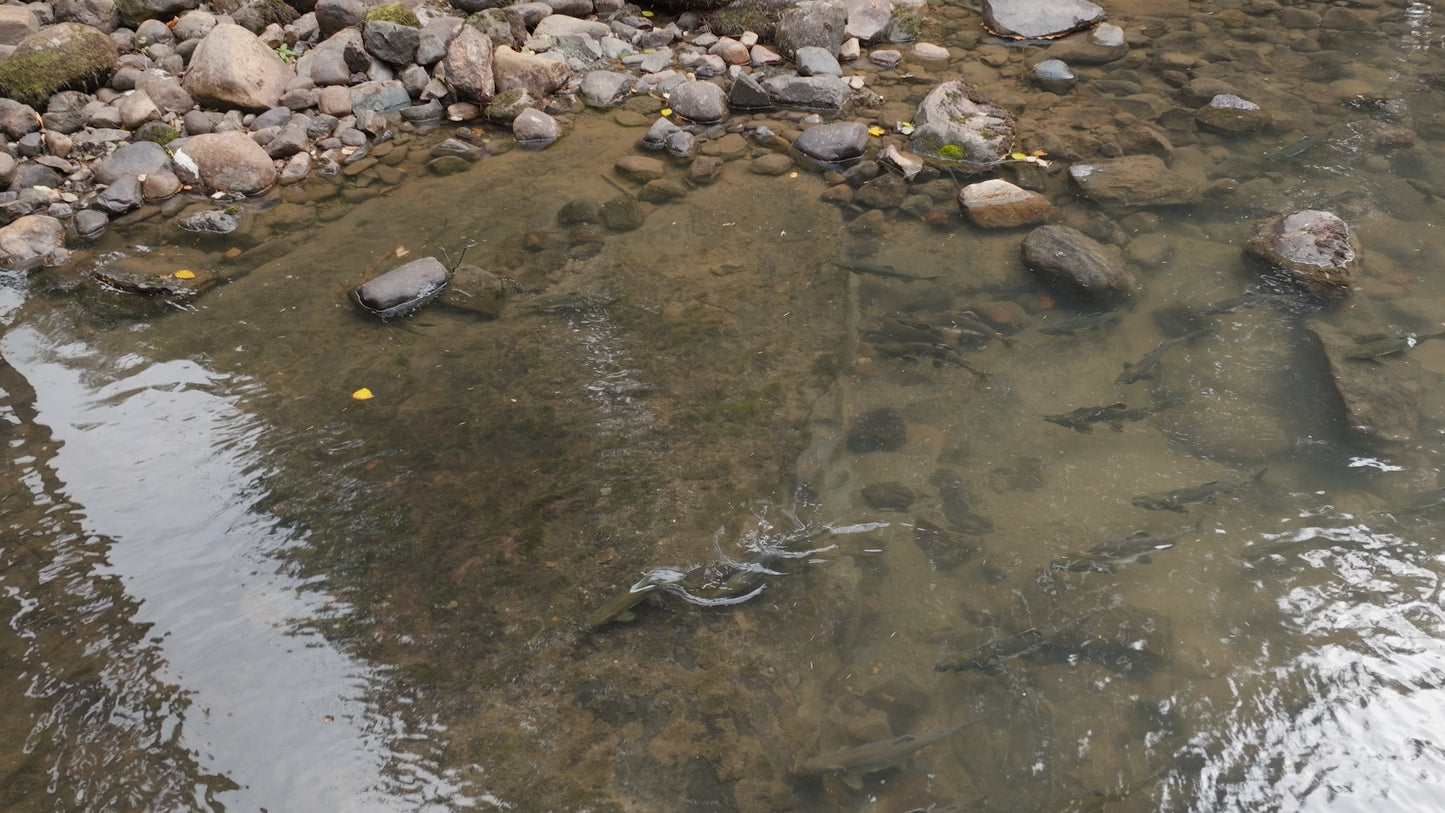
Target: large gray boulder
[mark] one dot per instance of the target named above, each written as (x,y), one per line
(225,162)
(1132,182)
(956,123)
(468,66)
(233,68)
(819,23)
(1069,259)
(1035,19)
(1308,249)
(16,23)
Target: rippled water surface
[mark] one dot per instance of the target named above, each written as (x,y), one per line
(229,585)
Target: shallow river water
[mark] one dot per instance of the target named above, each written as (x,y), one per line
(229,585)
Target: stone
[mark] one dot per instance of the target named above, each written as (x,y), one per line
(538,75)
(433,37)
(558,26)
(929,52)
(956,123)
(1039,19)
(133,159)
(165,91)
(640,168)
(31,241)
(656,136)
(878,430)
(132,12)
(160,185)
(391,42)
(623,213)
(477,290)
(468,66)
(883,192)
(225,162)
(998,204)
(209,221)
(379,97)
(814,61)
(1134,181)
(745,93)
(1381,397)
(701,102)
(136,108)
(681,144)
(1055,76)
(120,197)
(90,223)
(1311,250)
(868,19)
(889,496)
(834,146)
(336,15)
(822,93)
(819,23)
(17,120)
(64,56)
(772,164)
(232,68)
(403,289)
(335,100)
(16,23)
(606,88)
(1231,115)
(533,128)
(1067,258)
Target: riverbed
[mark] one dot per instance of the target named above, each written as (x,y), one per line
(232,585)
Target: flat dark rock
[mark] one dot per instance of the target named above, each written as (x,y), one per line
(1039,19)
(878,430)
(403,289)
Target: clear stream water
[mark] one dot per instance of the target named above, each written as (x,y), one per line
(228,585)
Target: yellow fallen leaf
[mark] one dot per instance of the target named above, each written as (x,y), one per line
(1018,156)
(647,14)
(185,273)
(362,394)
(667,111)
(876,131)
(400,251)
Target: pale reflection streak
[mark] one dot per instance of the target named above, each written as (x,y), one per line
(162,463)
(1351,720)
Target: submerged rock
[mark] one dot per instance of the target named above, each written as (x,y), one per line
(1381,396)
(403,289)
(1134,181)
(1069,258)
(1227,113)
(1309,249)
(1036,19)
(956,123)
(878,430)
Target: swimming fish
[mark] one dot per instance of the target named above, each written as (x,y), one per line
(1084,418)
(852,763)
(1177,499)
(1145,366)
(1103,557)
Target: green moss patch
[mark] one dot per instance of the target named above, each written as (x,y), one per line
(67,56)
(393,13)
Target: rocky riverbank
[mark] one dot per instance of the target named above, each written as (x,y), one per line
(114,108)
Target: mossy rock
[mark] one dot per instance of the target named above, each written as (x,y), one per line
(500,27)
(255,16)
(399,13)
(758,16)
(65,56)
